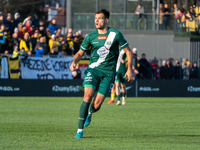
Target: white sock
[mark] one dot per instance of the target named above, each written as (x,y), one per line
(79,130)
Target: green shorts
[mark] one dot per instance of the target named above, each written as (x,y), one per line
(120,77)
(98,80)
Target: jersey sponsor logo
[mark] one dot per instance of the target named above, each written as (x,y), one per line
(102,37)
(88,74)
(95,42)
(103,52)
(108,42)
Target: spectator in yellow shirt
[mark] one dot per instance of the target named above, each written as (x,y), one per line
(54,43)
(25,43)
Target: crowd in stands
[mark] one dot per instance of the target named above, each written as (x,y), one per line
(170,69)
(182,18)
(31,37)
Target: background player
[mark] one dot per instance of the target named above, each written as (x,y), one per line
(102,66)
(120,80)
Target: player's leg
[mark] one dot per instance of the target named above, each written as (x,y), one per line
(112,95)
(123,87)
(102,91)
(90,83)
(117,84)
(83,111)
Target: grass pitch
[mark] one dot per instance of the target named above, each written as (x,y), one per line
(143,123)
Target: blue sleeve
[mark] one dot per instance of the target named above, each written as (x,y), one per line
(3,40)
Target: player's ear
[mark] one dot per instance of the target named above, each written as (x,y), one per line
(107,20)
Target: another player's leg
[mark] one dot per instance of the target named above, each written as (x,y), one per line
(83,112)
(123,87)
(112,95)
(117,93)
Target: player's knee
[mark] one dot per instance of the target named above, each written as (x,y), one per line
(87,97)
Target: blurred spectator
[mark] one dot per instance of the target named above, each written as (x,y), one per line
(192,12)
(43,44)
(186,70)
(28,25)
(140,12)
(62,54)
(16,52)
(54,43)
(29,53)
(150,72)
(2,21)
(34,40)
(25,43)
(31,31)
(10,23)
(52,52)
(156,69)
(15,40)
(2,39)
(26,19)
(198,25)
(8,37)
(166,17)
(144,65)
(35,22)
(70,43)
(77,45)
(160,17)
(6,53)
(63,44)
(47,36)
(53,26)
(19,26)
(22,32)
(39,51)
(178,71)
(59,33)
(194,71)
(178,20)
(163,70)
(80,36)
(41,28)
(175,12)
(16,20)
(135,62)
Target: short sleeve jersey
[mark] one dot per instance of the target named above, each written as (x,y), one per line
(105,49)
(120,66)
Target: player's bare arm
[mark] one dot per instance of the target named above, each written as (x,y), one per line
(129,70)
(76,59)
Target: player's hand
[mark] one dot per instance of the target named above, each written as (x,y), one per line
(73,66)
(129,75)
(135,71)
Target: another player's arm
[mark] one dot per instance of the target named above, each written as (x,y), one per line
(130,58)
(76,59)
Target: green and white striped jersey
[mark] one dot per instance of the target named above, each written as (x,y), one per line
(105,49)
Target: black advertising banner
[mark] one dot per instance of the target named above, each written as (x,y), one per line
(139,88)
(169,88)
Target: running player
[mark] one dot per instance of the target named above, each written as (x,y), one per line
(102,66)
(120,80)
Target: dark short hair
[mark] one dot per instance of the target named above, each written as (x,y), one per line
(143,54)
(104,11)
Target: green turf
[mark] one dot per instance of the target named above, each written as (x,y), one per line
(143,123)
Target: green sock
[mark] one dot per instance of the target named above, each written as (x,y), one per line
(83,112)
(123,94)
(92,109)
(118,97)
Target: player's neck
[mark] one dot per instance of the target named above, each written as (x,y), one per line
(103,31)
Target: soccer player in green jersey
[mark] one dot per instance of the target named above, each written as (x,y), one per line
(102,66)
(119,79)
